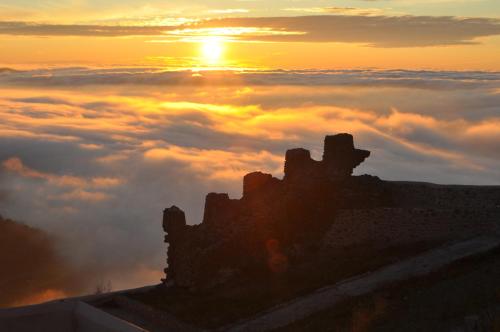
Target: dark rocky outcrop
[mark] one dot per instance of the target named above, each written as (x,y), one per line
(278,224)
(31,269)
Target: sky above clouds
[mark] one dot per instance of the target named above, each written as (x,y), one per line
(81,11)
(113,110)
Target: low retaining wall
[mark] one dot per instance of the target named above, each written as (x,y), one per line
(67,316)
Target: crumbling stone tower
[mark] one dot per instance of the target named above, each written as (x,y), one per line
(339,160)
(233,238)
(340,157)
(174,225)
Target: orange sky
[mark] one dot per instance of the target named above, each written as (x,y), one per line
(139,51)
(410,34)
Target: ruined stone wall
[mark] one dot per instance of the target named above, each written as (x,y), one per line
(261,231)
(242,236)
(418,194)
(419,212)
(394,227)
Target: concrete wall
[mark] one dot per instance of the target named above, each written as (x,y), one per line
(90,319)
(51,317)
(62,316)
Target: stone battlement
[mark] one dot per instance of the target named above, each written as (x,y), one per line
(339,160)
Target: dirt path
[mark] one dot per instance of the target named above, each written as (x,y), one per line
(289,312)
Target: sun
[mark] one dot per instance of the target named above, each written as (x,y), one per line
(212,49)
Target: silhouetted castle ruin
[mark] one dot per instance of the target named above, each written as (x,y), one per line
(316,209)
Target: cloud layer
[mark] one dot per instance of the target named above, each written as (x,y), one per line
(94,155)
(79,76)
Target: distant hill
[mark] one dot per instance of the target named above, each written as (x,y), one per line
(32,271)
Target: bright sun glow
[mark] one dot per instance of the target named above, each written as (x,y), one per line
(212,49)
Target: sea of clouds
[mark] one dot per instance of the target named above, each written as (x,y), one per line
(93,155)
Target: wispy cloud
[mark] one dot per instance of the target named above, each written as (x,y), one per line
(229,11)
(338,10)
(37,29)
(79,186)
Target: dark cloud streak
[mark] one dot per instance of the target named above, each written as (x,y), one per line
(378,31)
(36,29)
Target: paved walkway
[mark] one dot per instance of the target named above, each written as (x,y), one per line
(297,309)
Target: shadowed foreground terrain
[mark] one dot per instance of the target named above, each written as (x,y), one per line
(462,297)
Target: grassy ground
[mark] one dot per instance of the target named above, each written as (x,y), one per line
(464,294)
(234,302)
